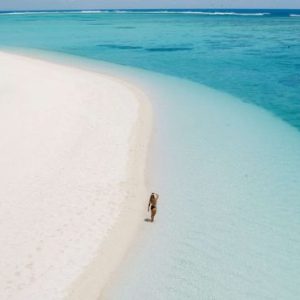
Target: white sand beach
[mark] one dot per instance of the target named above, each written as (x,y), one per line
(72,151)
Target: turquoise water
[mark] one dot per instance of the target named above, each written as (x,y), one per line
(254,55)
(227,171)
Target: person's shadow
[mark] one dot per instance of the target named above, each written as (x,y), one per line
(147,220)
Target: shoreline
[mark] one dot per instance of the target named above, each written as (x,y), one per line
(131,217)
(254,134)
(96,273)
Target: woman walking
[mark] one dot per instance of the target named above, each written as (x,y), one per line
(153,205)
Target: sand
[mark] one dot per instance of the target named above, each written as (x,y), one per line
(72,154)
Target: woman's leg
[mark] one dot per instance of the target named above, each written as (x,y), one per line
(153,213)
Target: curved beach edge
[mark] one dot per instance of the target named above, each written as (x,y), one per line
(92,275)
(98,274)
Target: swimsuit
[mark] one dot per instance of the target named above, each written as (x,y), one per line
(152,206)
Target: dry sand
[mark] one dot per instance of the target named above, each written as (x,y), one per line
(72,152)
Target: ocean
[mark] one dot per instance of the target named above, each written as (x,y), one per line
(225,159)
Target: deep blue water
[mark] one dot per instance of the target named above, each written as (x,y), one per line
(227,172)
(252,54)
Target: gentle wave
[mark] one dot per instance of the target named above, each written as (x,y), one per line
(106,12)
(208,13)
(91,11)
(140,12)
(294,15)
(186,12)
(225,13)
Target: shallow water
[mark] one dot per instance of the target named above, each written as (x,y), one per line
(227,172)
(228,219)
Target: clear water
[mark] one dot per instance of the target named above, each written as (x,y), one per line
(228,172)
(254,55)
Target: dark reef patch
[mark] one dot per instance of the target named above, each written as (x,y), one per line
(120,47)
(290,80)
(100,24)
(168,49)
